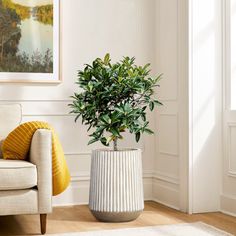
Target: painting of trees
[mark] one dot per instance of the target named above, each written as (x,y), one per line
(8,29)
(44,14)
(22,11)
(18,50)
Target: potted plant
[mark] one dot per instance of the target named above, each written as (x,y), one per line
(115,99)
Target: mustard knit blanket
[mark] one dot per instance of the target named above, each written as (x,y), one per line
(17,145)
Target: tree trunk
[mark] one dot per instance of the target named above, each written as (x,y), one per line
(115,145)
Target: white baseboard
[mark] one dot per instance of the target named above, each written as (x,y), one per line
(76,194)
(166,204)
(157,187)
(228,213)
(78,191)
(228,205)
(166,193)
(166,190)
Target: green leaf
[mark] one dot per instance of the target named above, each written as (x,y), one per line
(109,139)
(104,141)
(158,103)
(114,131)
(148,131)
(120,79)
(146,124)
(77,117)
(118,109)
(90,86)
(127,107)
(159,78)
(90,126)
(144,108)
(100,128)
(151,106)
(143,116)
(106,119)
(107,59)
(137,136)
(146,66)
(92,141)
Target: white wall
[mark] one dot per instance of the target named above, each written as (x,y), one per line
(198,142)
(228,193)
(89,28)
(170,176)
(166,175)
(205,105)
(154,31)
(150,31)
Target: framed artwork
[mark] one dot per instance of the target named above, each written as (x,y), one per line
(29,41)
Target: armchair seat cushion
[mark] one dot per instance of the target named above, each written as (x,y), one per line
(17,174)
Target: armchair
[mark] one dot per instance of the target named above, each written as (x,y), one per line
(26,186)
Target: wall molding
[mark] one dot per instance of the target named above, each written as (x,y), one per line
(168,114)
(89,153)
(228,204)
(231,173)
(85,176)
(158,175)
(35,100)
(166,186)
(166,204)
(78,191)
(228,213)
(176,115)
(169,99)
(166,194)
(78,153)
(169,153)
(231,124)
(34,115)
(82,176)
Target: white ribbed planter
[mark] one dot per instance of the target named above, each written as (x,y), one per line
(116,186)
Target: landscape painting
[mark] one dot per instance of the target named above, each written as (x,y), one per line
(28,39)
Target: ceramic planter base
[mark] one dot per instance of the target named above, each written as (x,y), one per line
(116,216)
(116,187)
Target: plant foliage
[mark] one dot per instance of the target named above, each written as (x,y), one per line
(115,98)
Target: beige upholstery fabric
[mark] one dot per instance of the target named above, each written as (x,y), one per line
(18,202)
(17,174)
(21,175)
(41,156)
(10,118)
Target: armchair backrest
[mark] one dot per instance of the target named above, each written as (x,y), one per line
(10,118)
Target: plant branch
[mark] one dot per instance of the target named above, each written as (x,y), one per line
(115,145)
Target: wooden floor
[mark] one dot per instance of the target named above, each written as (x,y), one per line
(78,218)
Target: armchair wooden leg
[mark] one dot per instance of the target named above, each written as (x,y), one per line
(43,223)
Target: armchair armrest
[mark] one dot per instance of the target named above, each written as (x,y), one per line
(41,156)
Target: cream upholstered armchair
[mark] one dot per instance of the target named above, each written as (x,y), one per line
(25,186)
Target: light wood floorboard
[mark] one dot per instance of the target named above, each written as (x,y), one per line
(78,218)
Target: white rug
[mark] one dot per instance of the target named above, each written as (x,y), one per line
(194,229)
